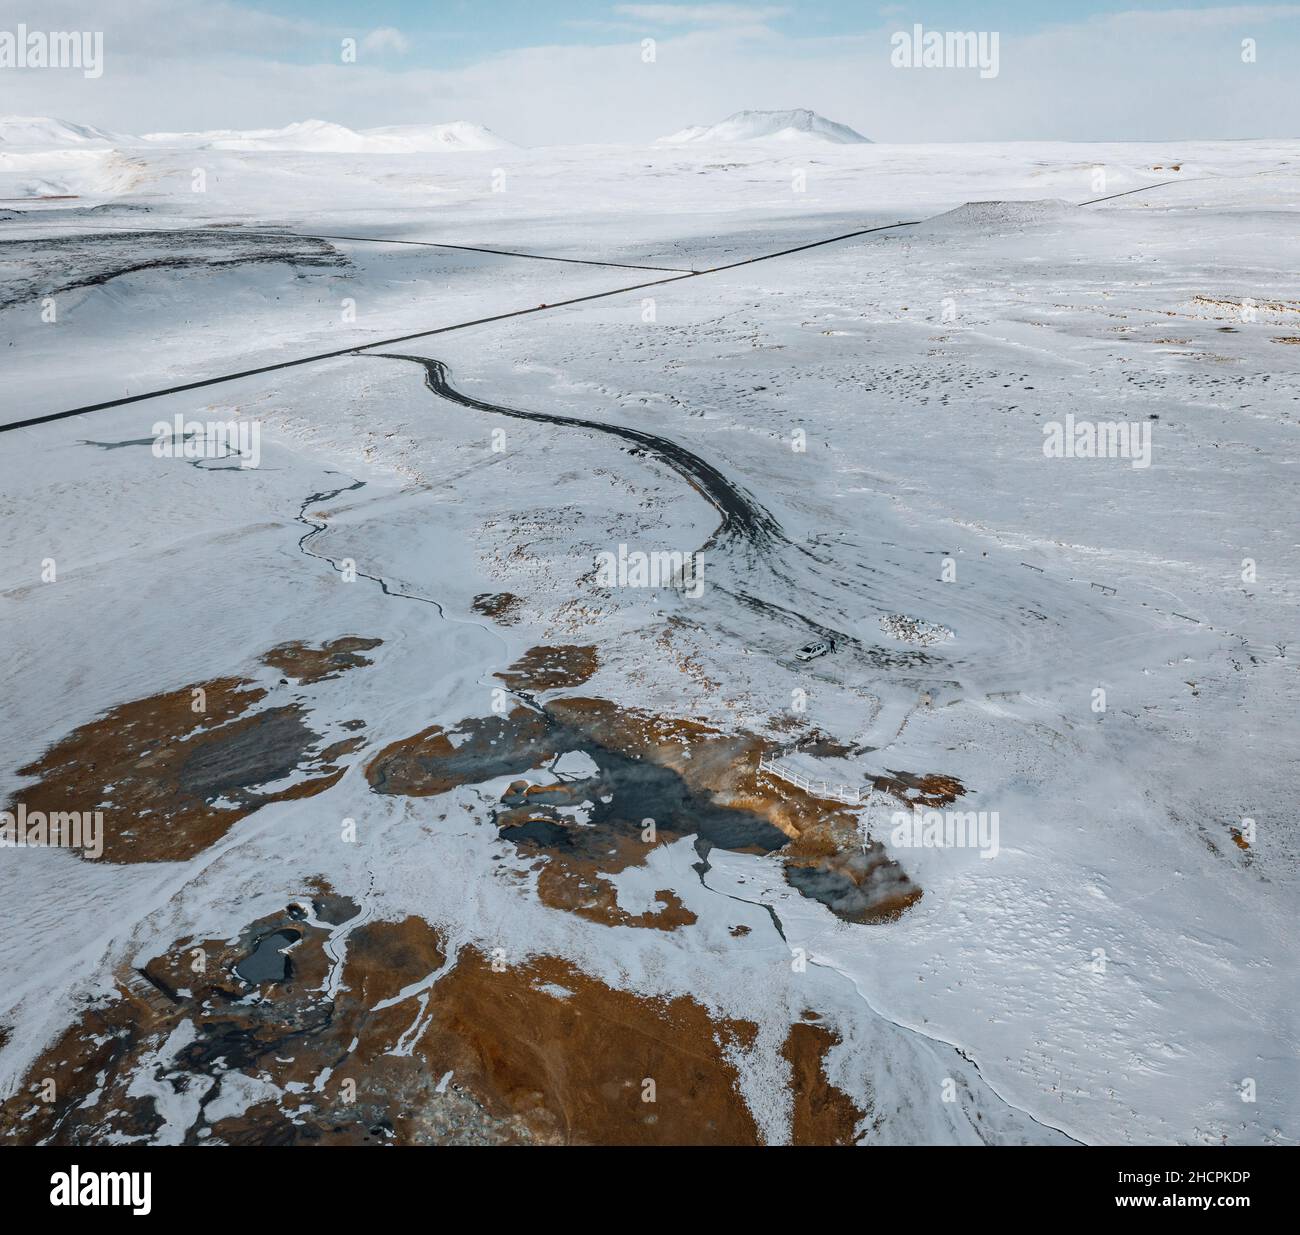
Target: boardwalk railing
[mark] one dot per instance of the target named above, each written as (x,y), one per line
(851,795)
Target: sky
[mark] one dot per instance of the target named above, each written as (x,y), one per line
(543,72)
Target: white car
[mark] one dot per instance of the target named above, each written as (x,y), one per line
(810,651)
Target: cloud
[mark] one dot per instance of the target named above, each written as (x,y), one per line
(202,30)
(191,65)
(385,38)
(700,14)
(1232,15)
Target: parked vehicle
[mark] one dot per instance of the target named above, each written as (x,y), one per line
(810,651)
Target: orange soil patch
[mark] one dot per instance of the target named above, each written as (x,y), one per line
(873,886)
(304,664)
(572,859)
(170,780)
(537,1052)
(430,762)
(579,888)
(823,1114)
(708,760)
(292,1035)
(572,873)
(722,769)
(575,1061)
(552,668)
(346,746)
(931,791)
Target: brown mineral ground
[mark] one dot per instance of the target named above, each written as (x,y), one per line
(501,607)
(685,775)
(290,1036)
(346,746)
(576,1059)
(573,858)
(171,780)
(929,791)
(826,858)
(552,668)
(304,664)
(567,885)
(823,1114)
(480,748)
(495,1052)
(579,831)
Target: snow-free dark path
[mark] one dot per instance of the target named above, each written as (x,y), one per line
(741,514)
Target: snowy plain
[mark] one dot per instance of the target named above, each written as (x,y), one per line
(1118,970)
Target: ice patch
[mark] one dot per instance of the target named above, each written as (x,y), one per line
(576,764)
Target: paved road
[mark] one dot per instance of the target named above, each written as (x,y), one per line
(480,321)
(368,345)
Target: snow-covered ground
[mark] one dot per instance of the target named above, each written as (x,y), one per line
(1120,970)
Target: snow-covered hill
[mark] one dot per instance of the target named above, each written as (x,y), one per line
(419,138)
(798,125)
(321,136)
(308,136)
(45,132)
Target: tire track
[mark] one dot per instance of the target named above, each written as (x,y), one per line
(743,518)
(745,524)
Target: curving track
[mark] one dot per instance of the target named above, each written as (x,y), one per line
(743,519)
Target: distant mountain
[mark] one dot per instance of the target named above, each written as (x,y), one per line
(48,133)
(323,136)
(799,125)
(305,135)
(459,135)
